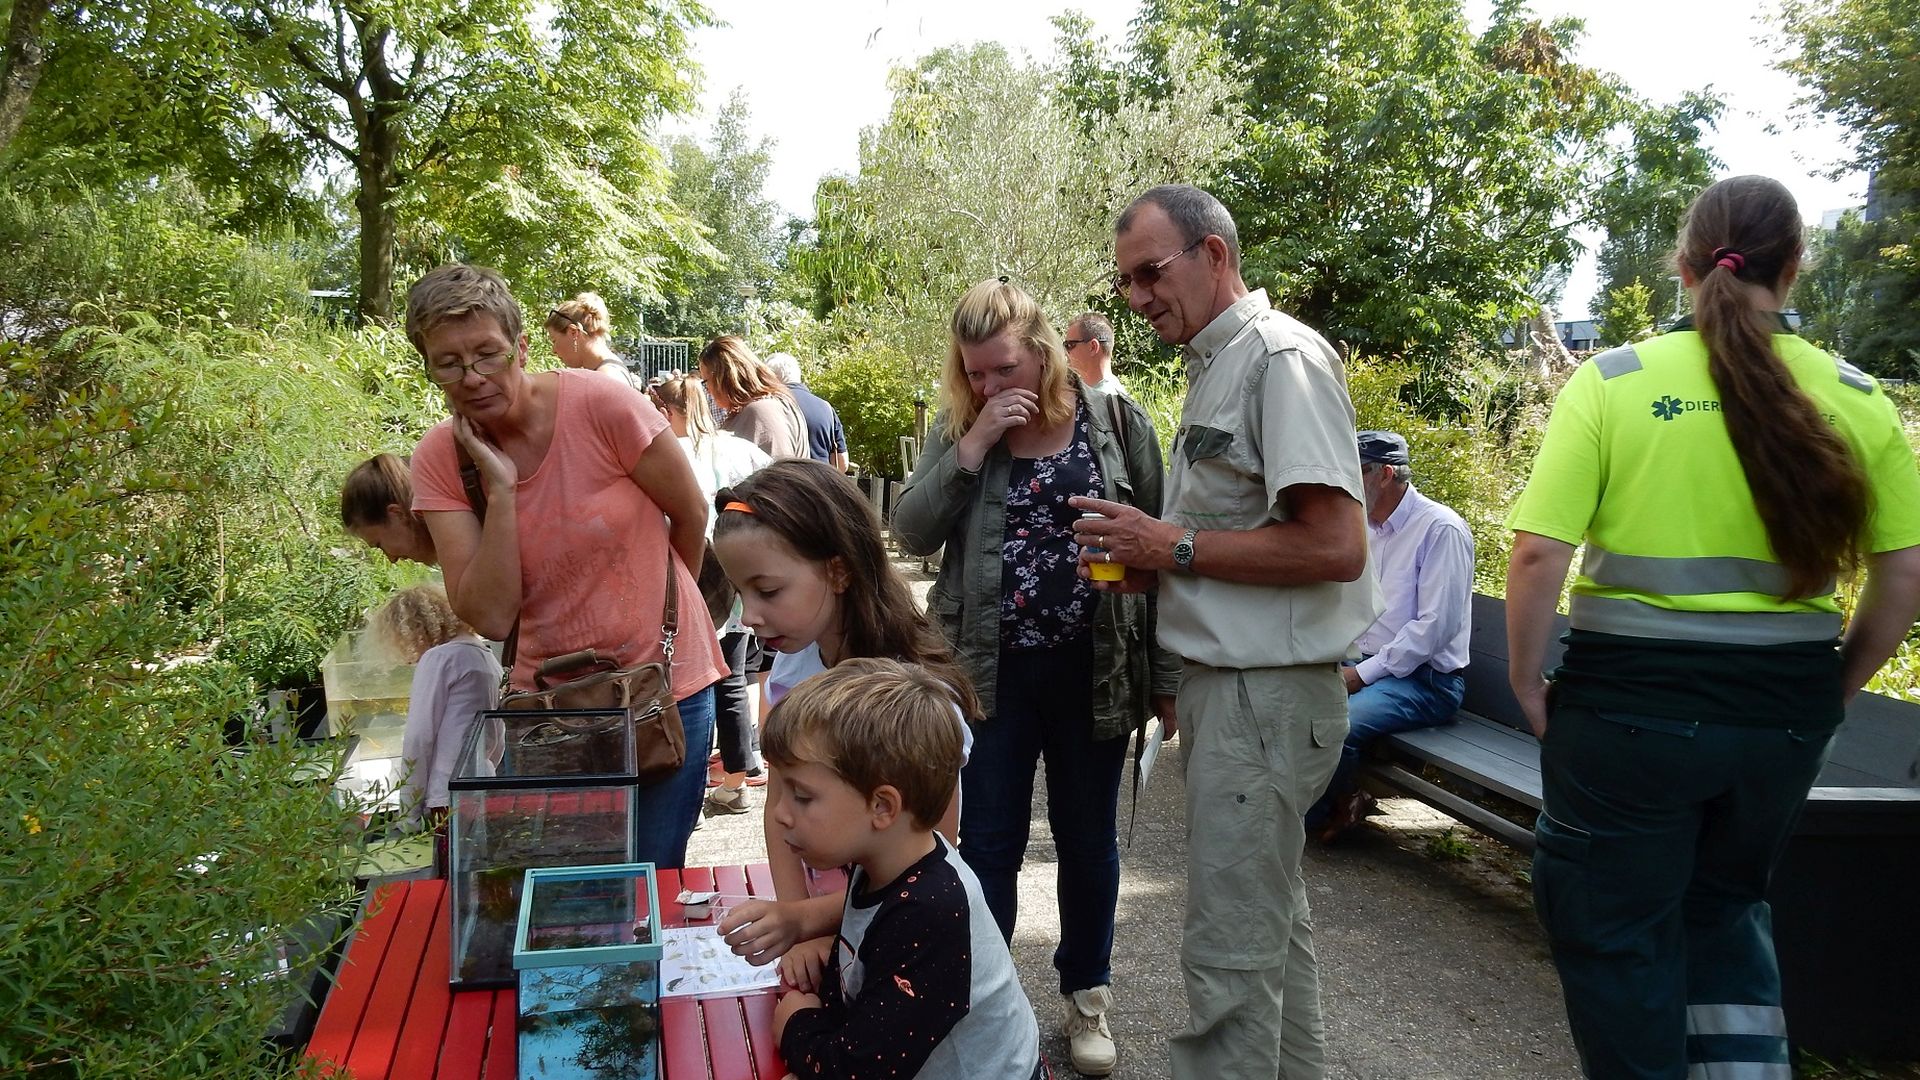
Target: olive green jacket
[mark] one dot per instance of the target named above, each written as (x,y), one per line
(967,511)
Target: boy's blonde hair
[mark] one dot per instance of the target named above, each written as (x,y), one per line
(416,619)
(874,722)
(455,290)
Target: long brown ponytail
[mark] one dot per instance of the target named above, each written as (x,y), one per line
(1808,489)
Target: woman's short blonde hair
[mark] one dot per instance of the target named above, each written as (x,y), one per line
(456,290)
(984,312)
(736,375)
(586,311)
(414,620)
(683,394)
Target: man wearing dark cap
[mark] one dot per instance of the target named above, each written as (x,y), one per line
(1414,654)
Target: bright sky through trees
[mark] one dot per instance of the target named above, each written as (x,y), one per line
(816,74)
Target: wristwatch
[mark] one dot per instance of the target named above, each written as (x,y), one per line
(1183,551)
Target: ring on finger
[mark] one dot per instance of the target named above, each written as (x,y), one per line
(1106,556)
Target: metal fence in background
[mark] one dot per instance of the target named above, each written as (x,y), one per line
(647,358)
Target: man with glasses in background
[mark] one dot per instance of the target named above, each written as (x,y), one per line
(1264,583)
(1089,346)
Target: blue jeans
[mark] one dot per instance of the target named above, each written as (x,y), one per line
(1045,710)
(664,813)
(1425,698)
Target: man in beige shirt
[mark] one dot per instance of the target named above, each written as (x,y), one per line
(1264,583)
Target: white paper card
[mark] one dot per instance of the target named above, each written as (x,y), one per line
(1155,736)
(695,962)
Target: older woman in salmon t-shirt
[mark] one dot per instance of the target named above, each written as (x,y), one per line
(585,500)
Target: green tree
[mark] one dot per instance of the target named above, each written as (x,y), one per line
(1859,62)
(1627,315)
(980,170)
(1641,204)
(1402,183)
(722,184)
(503,130)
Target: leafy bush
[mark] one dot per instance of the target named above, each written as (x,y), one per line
(152,872)
(870,384)
(154,253)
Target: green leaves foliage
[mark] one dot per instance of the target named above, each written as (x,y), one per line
(1627,314)
(1859,61)
(154,874)
(1402,184)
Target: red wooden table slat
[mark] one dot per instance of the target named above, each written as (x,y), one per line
(503,1040)
(373,1047)
(726,1037)
(422,1036)
(697,879)
(339,1020)
(671,913)
(758,1010)
(391,1013)
(565,802)
(829,881)
(760,879)
(466,1041)
(731,880)
(683,1050)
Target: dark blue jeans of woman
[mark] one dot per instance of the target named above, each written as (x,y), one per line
(664,813)
(1045,711)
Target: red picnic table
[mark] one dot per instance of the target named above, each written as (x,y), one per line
(392,1016)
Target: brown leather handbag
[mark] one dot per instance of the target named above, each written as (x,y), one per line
(643,692)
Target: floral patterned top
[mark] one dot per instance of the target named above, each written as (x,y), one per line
(1044,602)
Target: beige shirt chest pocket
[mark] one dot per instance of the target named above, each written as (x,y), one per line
(1216,488)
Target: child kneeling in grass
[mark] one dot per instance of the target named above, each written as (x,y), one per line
(920,982)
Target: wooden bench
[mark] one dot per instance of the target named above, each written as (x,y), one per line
(392,1016)
(1843,896)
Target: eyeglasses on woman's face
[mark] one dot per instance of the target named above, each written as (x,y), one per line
(1147,274)
(446,370)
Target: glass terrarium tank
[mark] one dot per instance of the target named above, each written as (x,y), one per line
(587,950)
(367,693)
(533,789)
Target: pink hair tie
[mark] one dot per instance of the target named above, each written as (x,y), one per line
(1730,259)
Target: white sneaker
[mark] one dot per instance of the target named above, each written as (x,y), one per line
(1089,1040)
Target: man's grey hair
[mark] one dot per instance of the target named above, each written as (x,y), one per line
(1402,474)
(1194,212)
(784,367)
(1095,325)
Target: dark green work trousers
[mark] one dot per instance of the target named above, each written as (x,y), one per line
(1656,841)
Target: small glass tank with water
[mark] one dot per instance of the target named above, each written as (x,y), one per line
(587,951)
(533,789)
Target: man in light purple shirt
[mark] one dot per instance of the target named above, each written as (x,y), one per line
(1415,653)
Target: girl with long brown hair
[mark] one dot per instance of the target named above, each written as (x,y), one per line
(805,549)
(1722,477)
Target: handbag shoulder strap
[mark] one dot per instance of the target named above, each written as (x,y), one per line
(477,496)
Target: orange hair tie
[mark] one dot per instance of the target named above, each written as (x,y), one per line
(740,506)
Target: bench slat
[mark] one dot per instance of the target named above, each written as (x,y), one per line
(683,1054)
(727,1049)
(758,1011)
(1446,748)
(503,1038)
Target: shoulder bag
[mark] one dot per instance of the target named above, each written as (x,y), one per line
(591,681)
